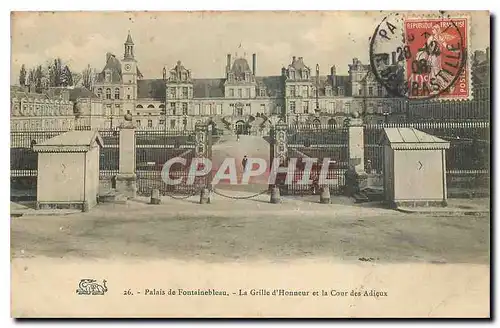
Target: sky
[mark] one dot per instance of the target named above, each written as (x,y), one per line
(201,40)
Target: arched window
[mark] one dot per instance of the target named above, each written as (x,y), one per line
(117,93)
(151,106)
(108,93)
(161,106)
(139,106)
(99,92)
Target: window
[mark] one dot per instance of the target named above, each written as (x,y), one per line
(138,123)
(247,93)
(162,122)
(240,93)
(292,106)
(108,93)
(117,93)
(341,91)
(305,107)
(231,92)
(347,107)
(379,90)
(239,111)
(292,92)
(184,108)
(139,106)
(184,92)
(99,92)
(172,93)
(305,92)
(263,108)
(370,91)
(108,75)
(262,92)
(161,106)
(108,109)
(305,75)
(151,106)
(128,112)
(172,124)
(150,123)
(360,92)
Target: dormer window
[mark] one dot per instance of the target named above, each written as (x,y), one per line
(247,77)
(292,74)
(107,74)
(305,75)
(341,91)
(262,92)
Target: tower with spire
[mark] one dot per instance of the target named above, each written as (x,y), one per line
(129,71)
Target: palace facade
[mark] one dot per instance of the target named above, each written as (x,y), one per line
(241,98)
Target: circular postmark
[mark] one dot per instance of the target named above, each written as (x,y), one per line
(420,58)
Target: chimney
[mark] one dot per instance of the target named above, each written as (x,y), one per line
(254,63)
(293,59)
(333,73)
(283,71)
(228,62)
(393,58)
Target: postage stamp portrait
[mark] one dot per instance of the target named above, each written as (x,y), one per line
(429,57)
(316,164)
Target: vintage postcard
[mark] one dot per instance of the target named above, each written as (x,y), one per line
(322,164)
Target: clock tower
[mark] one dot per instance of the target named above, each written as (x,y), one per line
(129,71)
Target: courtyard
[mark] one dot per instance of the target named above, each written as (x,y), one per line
(254,229)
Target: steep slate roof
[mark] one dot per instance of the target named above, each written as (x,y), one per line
(113,64)
(151,88)
(214,87)
(240,65)
(208,88)
(81,92)
(273,84)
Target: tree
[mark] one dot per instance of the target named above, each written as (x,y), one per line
(22,76)
(76,77)
(66,79)
(88,77)
(38,79)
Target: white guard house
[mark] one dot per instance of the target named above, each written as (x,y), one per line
(414,168)
(68,170)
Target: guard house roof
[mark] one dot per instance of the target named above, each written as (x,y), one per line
(70,142)
(412,139)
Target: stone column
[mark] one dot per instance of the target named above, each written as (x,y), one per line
(126,183)
(356,144)
(356,177)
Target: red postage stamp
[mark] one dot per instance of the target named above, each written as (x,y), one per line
(438,60)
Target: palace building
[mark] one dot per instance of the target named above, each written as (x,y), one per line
(241,100)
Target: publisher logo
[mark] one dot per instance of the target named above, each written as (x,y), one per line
(91,287)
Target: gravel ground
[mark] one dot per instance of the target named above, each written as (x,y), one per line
(253,230)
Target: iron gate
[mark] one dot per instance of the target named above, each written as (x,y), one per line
(314,141)
(155,147)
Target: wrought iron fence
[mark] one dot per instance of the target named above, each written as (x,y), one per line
(467,159)
(153,149)
(109,154)
(318,142)
(24,161)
